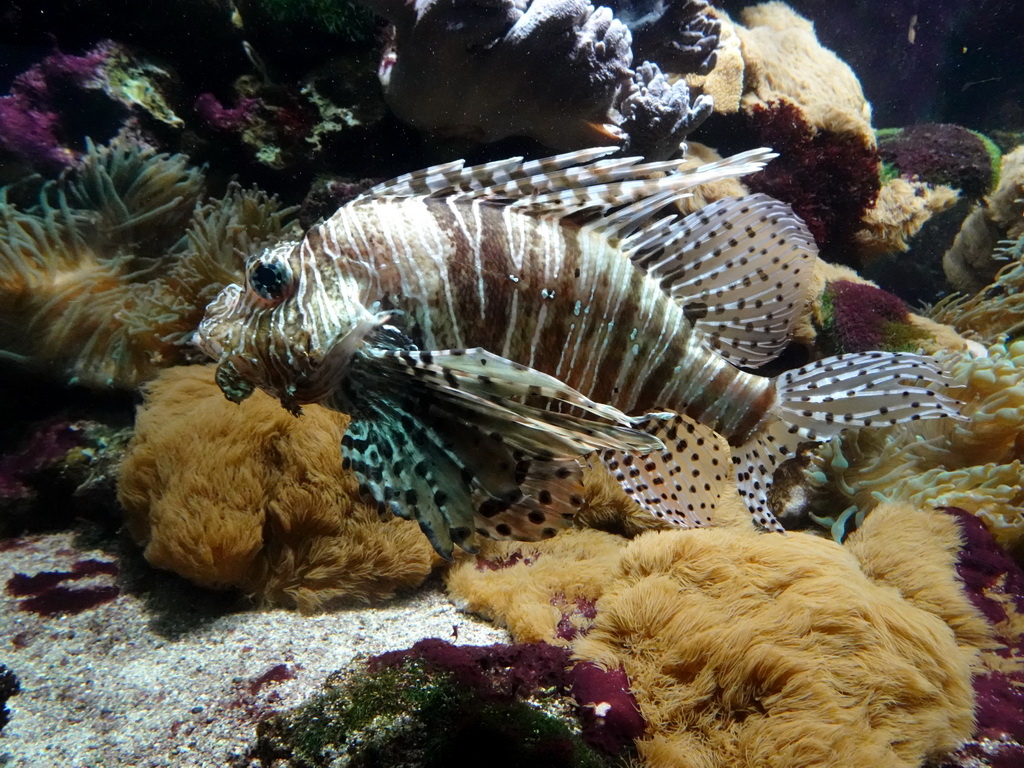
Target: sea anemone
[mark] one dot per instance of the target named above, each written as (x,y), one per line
(105,279)
(974,464)
(995,310)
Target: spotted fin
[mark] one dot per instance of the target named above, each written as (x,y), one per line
(755,463)
(740,267)
(681,483)
(464,452)
(550,493)
(570,183)
(820,400)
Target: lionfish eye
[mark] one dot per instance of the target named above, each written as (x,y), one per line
(271,280)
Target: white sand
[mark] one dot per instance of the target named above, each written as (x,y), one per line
(105,689)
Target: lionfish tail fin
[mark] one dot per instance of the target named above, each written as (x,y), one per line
(679,484)
(468,443)
(819,401)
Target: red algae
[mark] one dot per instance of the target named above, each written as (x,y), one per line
(46,594)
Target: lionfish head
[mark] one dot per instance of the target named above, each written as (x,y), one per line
(284,330)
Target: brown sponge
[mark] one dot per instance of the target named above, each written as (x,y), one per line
(249,497)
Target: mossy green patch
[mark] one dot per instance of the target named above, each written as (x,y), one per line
(344,18)
(902,337)
(995,156)
(887,172)
(414,714)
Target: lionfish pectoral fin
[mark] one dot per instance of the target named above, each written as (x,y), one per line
(403,465)
(235,388)
(820,400)
(679,484)
(469,443)
(740,267)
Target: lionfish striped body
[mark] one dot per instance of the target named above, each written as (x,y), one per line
(581,297)
(555,297)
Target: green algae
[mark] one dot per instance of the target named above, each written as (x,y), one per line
(416,715)
(343,18)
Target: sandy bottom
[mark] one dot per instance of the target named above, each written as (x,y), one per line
(164,674)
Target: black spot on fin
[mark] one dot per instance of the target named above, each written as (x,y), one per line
(755,463)
(434,440)
(679,484)
(740,267)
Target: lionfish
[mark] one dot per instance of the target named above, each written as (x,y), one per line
(492,329)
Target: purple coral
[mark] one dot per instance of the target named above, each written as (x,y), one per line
(229,119)
(995,584)
(45,449)
(609,711)
(863,317)
(941,153)
(32,125)
(829,178)
(609,714)
(506,670)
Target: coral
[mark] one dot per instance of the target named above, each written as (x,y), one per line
(786,64)
(433,704)
(726,637)
(135,84)
(41,119)
(549,70)
(63,470)
(681,35)
(248,497)
(9,686)
(291,123)
(939,153)
(609,711)
(273,123)
(657,116)
(106,279)
(746,649)
(995,585)
(724,83)
(540,583)
(830,178)
(996,309)
(969,264)
(858,317)
(557,71)
(924,333)
(975,464)
(805,103)
(30,123)
(899,212)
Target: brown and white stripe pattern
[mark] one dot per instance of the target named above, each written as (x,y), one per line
(576,267)
(539,290)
